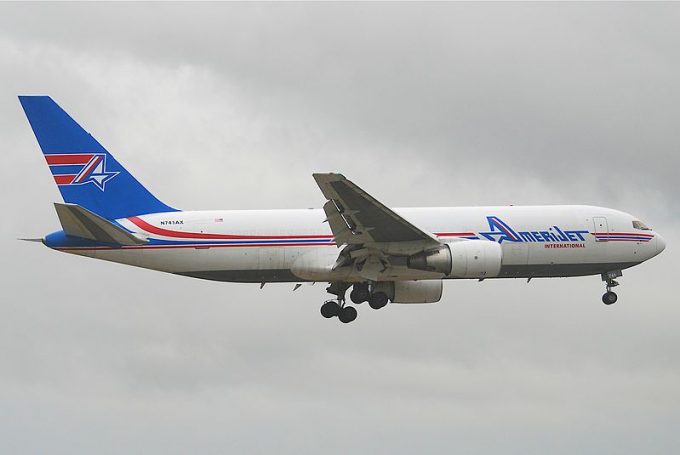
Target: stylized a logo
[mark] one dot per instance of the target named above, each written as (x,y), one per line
(95,172)
(500,231)
(80,169)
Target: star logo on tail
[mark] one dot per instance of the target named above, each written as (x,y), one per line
(95,172)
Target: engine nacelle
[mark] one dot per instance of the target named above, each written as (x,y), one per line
(462,259)
(435,260)
(429,291)
(476,259)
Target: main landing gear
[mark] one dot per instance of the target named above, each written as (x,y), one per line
(332,308)
(360,293)
(610,296)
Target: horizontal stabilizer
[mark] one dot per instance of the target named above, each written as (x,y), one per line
(80,222)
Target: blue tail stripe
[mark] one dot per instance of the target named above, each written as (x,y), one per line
(66,169)
(104,187)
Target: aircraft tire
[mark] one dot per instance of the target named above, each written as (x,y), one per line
(609,298)
(330,309)
(378,300)
(347,314)
(359,295)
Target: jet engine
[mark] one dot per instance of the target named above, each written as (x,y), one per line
(462,259)
(434,260)
(429,291)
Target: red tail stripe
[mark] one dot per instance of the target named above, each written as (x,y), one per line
(64,179)
(68,159)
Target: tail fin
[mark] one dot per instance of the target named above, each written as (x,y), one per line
(84,171)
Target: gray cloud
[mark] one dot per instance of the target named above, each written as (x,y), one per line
(234,106)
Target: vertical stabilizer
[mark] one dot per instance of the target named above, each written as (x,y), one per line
(84,171)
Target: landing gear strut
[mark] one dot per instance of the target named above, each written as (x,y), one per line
(610,296)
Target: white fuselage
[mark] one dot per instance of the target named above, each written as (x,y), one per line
(296,245)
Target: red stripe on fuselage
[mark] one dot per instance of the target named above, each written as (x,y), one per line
(624,233)
(196,247)
(198,235)
(68,159)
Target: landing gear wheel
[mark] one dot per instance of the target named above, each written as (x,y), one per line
(378,300)
(330,309)
(609,298)
(359,295)
(347,314)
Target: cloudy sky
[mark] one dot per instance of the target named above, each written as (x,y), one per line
(234,106)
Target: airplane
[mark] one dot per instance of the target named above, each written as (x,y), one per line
(384,255)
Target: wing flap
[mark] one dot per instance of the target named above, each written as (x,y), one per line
(343,227)
(357,217)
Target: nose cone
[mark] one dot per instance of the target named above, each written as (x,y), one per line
(660,244)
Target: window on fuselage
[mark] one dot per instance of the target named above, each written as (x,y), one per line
(640,225)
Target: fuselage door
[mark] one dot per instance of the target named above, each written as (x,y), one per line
(600,225)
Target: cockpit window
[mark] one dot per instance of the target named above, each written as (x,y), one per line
(640,225)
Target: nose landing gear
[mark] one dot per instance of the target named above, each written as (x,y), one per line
(610,297)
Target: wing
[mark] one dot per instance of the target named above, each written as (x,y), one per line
(356,217)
